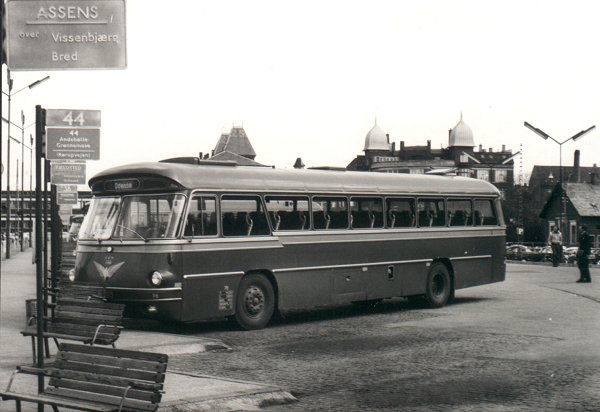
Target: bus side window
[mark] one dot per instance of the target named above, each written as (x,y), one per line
(287,212)
(432,213)
(243,216)
(366,213)
(330,213)
(459,212)
(401,212)
(484,213)
(201,220)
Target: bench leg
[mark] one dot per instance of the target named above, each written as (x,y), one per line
(33,349)
(47,346)
(18,402)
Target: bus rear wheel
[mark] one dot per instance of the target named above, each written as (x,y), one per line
(255,302)
(439,285)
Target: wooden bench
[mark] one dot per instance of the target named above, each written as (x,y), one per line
(90,321)
(91,378)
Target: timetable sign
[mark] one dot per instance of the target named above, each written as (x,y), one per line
(67,173)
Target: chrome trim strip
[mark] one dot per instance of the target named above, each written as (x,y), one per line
(211,275)
(147,300)
(471,257)
(153,290)
(398,262)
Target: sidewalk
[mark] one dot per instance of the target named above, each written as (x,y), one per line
(183,391)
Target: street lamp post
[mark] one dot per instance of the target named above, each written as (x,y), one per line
(575,137)
(10,94)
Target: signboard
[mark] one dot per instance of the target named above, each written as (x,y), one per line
(67,173)
(72,118)
(66,34)
(66,194)
(72,144)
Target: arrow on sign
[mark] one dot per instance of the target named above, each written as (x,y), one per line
(74,132)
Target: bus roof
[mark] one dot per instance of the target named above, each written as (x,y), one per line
(266,179)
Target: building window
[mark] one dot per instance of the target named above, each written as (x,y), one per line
(500,175)
(483,174)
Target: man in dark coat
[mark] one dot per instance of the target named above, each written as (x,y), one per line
(585,248)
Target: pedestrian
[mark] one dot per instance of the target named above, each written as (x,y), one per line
(555,241)
(585,248)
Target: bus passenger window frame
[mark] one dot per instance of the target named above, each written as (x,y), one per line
(468,216)
(495,214)
(390,222)
(242,222)
(191,198)
(291,216)
(371,218)
(317,199)
(443,212)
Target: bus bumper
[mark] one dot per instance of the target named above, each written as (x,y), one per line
(148,302)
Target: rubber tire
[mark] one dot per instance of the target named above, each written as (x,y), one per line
(439,285)
(256,314)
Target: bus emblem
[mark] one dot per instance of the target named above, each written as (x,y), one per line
(107,271)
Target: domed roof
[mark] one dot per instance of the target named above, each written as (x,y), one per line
(461,135)
(376,139)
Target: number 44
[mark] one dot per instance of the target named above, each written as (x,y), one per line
(70,120)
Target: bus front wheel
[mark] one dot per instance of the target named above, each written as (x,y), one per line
(439,285)
(255,302)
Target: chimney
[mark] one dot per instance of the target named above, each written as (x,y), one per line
(594,175)
(481,148)
(577,168)
(429,144)
(503,148)
(387,136)
(299,164)
(393,148)
(402,145)
(491,149)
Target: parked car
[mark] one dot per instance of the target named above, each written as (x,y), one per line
(525,253)
(570,254)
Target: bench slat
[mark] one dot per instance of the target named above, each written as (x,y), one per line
(99,398)
(52,400)
(149,385)
(113,361)
(108,370)
(123,353)
(105,389)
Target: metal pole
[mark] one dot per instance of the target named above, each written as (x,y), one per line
(22,205)
(46,216)
(560,183)
(30,190)
(10,83)
(39,267)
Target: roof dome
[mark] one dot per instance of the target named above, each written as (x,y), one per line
(376,139)
(461,135)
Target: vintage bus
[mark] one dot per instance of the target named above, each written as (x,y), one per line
(189,240)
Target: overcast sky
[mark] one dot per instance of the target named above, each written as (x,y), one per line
(307,79)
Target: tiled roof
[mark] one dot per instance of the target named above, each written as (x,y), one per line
(235,142)
(241,160)
(585,197)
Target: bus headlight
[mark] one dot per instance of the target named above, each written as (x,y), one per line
(156,278)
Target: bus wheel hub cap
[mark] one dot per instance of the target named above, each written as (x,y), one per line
(254,300)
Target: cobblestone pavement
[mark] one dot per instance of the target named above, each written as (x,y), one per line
(521,345)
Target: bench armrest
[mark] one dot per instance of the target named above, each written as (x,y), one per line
(30,370)
(100,327)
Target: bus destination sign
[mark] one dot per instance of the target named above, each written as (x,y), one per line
(66,194)
(66,34)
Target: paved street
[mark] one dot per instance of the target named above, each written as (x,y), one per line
(528,344)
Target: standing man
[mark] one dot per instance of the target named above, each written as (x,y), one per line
(555,241)
(585,248)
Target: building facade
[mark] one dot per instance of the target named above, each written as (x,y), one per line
(460,157)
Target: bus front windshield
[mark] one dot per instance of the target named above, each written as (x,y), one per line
(134,217)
